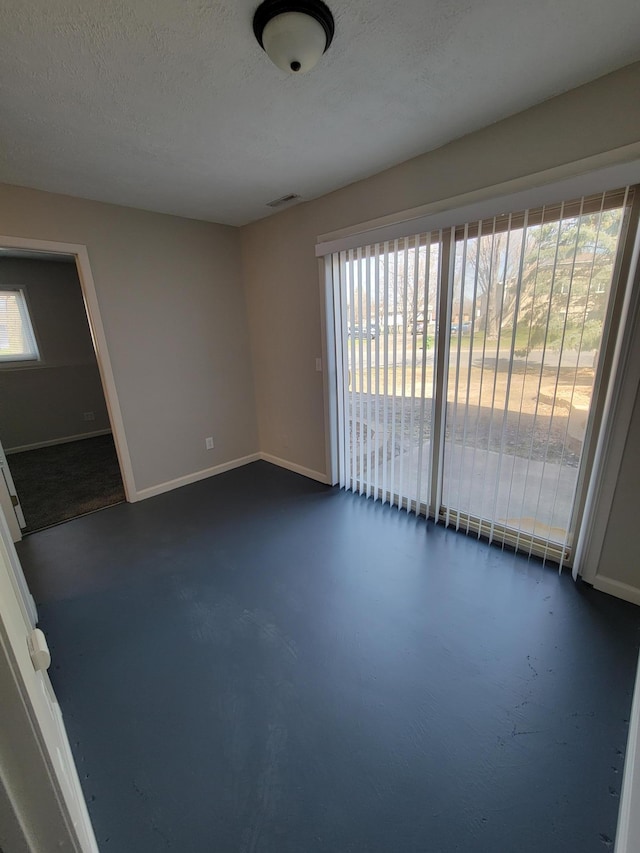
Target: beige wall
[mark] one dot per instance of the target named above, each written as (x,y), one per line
(620,560)
(45,402)
(171,302)
(281,272)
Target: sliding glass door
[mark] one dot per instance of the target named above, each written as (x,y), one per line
(467,362)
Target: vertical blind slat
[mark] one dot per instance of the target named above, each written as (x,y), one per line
(334,270)
(520,514)
(385,479)
(357,332)
(412,485)
(471,365)
(369,395)
(405,318)
(495,373)
(352,372)
(488,297)
(394,378)
(377,421)
(423,377)
(458,339)
(492,265)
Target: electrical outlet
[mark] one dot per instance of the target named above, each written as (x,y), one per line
(319,365)
(89,416)
(209,443)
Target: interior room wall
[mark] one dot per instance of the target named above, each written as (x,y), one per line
(45,402)
(620,560)
(281,272)
(172,306)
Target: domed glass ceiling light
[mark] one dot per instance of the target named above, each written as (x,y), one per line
(293,34)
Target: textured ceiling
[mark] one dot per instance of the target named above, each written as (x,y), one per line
(170,105)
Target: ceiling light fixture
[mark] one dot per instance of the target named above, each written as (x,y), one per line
(293,33)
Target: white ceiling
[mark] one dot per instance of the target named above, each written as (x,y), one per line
(170,105)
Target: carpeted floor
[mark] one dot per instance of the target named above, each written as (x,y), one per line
(65,481)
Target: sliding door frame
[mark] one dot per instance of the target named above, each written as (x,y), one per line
(617,403)
(607,373)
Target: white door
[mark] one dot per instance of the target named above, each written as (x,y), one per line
(42,784)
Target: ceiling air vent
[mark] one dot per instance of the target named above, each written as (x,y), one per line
(286,199)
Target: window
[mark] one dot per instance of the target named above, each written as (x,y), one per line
(17,340)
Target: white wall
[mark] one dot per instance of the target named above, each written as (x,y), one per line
(172,306)
(45,401)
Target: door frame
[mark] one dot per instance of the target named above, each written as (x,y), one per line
(6,502)
(41,800)
(618,402)
(98,337)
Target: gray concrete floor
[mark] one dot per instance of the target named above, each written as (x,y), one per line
(257,663)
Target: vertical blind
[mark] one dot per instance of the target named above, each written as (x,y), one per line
(384,297)
(466,362)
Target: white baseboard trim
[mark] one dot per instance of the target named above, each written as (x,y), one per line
(298,469)
(65,440)
(617,588)
(151,491)
(628,831)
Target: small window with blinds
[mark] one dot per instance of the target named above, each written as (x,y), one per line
(467,364)
(17,339)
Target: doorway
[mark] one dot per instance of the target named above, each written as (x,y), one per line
(59,456)
(468,367)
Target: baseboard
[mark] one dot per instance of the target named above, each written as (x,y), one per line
(628,831)
(151,491)
(617,588)
(292,466)
(168,486)
(65,440)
